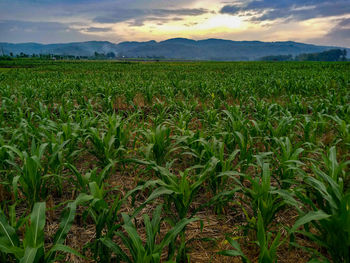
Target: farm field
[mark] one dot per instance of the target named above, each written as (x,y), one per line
(106,161)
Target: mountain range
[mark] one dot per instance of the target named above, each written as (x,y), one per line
(175,48)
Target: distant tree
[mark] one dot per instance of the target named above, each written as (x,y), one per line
(110,55)
(277,58)
(11,54)
(99,55)
(330,55)
(5,57)
(22,55)
(344,55)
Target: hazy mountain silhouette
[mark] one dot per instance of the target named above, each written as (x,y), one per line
(176,48)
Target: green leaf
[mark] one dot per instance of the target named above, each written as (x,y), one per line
(31,255)
(234,253)
(15,185)
(68,218)
(34,236)
(135,239)
(174,232)
(261,231)
(66,249)
(159,192)
(311,216)
(8,233)
(115,248)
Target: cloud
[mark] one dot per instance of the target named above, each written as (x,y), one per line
(138,22)
(142,15)
(230,9)
(341,32)
(87,10)
(267,10)
(50,21)
(43,32)
(338,35)
(344,23)
(98,29)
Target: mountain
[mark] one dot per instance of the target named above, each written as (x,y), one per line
(176,48)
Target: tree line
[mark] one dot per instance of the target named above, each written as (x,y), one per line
(329,55)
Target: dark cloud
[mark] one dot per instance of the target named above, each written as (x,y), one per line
(344,23)
(290,9)
(341,32)
(103,10)
(43,32)
(338,36)
(230,9)
(98,29)
(119,15)
(181,12)
(142,15)
(158,20)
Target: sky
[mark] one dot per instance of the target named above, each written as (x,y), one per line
(322,22)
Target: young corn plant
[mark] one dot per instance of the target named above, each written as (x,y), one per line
(264,198)
(326,216)
(282,127)
(68,134)
(178,193)
(238,134)
(109,146)
(334,168)
(343,128)
(106,218)
(32,178)
(82,181)
(224,169)
(288,158)
(241,143)
(3,155)
(267,245)
(150,250)
(160,110)
(309,127)
(31,248)
(159,144)
(56,153)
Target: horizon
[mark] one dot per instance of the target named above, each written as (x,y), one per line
(317,22)
(159,41)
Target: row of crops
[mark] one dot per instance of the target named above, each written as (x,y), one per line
(174,162)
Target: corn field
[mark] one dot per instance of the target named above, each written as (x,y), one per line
(174,162)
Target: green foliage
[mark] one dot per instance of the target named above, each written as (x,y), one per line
(330,55)
(32,247)
(329,214)
(150,250)
(109,146)
(258,142)
(267,245)
(159,144)
(265,198)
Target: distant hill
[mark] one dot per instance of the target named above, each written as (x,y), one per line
(176,48)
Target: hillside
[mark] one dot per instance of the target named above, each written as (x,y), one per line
(176,48)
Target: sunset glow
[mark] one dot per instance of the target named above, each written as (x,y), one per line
(327,22)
